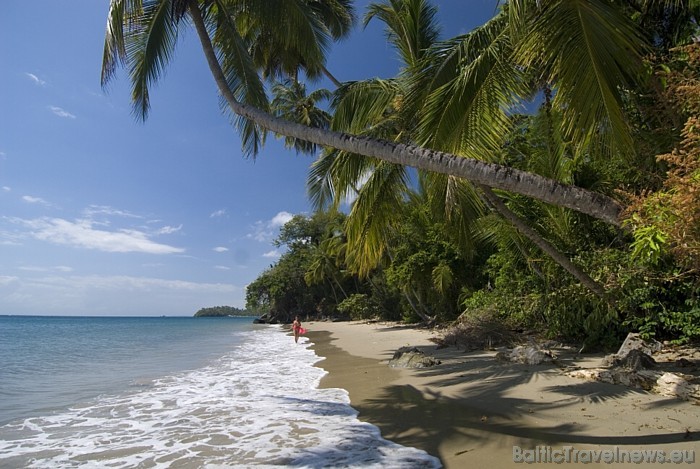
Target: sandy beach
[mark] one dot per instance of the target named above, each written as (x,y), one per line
(475,411)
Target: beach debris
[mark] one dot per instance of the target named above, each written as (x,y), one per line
(634,341)
(642,379)
(477,331)
(676,385)
(684,363)
(633,366)
(634,360)
(527,355)
(412,357)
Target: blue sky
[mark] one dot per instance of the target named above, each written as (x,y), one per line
(101,214)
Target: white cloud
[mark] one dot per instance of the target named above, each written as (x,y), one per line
(58,268)
(93,210)
(35,79)
(111,295)
(60,112)
(81,234)
(218,213)
(6,280)
(169,229)
(34,200)
(220,249)
(6,189)
(274,254)
(222,267)
(280,219)
(265,231)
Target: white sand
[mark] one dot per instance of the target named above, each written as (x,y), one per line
(472,410)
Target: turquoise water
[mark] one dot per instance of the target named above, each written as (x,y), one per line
(175,392)
(50,362)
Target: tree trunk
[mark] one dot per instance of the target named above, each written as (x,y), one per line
(330,76)
(479,172)
(498,205)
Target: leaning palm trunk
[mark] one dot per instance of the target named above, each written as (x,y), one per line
(497,204)
(479,172)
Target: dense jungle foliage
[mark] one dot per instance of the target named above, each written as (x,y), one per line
(540,171)
(433,270)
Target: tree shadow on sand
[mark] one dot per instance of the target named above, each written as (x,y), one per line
(485,407)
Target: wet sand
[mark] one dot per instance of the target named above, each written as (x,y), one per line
(475,411)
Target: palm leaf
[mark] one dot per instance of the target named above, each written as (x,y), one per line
(299,40)
(114,51)
(591,51)
(410,26)
(291,102)
(370,222)
(239,69)
(473,85)
(359,107)
(149,49)
(319,182)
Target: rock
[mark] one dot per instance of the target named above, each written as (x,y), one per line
(633,366)
(665,384)
(412,357)
(528,355)
(637,360)
(634,342)
(634,353)
(684,363)
(644,379)
(673,385)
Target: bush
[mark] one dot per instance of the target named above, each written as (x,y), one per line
(359,306)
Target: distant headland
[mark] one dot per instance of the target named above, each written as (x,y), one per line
(221,311)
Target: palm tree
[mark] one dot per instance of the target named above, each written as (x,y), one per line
(301,47)
(383,108)
(142,35)
(326,265)
(292,103)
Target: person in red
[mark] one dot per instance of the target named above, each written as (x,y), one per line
(297,329)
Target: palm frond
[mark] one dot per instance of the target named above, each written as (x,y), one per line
(473,85)
(300,40)
(410,26)
(591,51)
(442,277)
(291,102)
(363,105)
(337,15)
(114,51)
(239,69)
(370,221)
(455,202)
(149,48)
(320,186)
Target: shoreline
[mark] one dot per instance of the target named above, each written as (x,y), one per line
(472,410)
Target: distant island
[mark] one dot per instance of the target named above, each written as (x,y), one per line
(219,311)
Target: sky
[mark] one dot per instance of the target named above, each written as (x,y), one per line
(102,214)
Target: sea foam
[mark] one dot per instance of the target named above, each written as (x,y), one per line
(257,406)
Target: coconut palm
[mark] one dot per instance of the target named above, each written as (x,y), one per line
(291,102)
(142,34)
(383,108)
(377,108)
(302,46)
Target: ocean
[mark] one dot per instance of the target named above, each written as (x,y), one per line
(162,392)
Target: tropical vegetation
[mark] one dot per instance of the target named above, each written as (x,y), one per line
(221,311)
(439,195)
